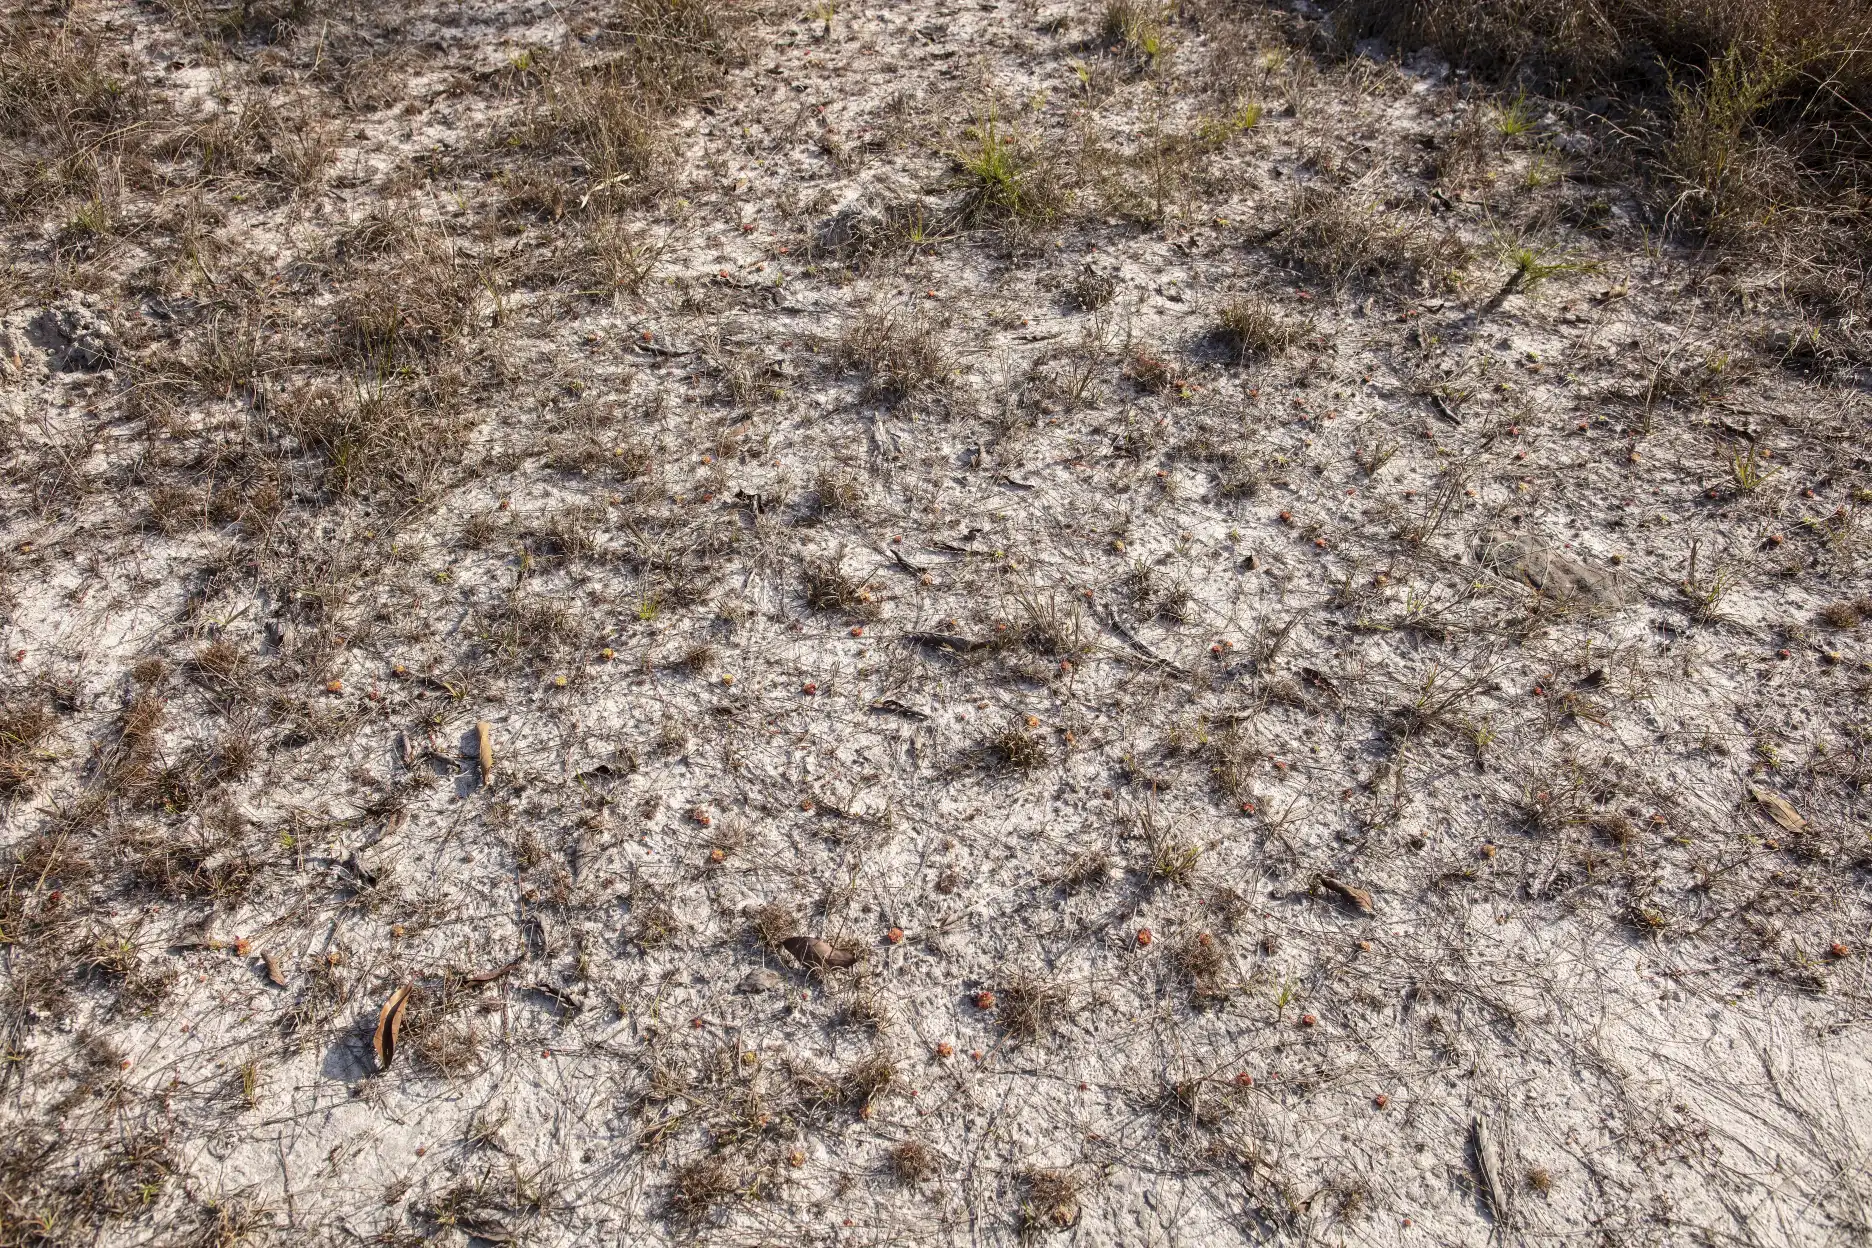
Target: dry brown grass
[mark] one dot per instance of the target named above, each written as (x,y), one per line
(1578,42)
(1749,113)
(376,437)
(898,355)
(958,596)
(71,107)
(911,1162)
(24,726)
(1030,1007)
(1015,748)
(1250,327)
(1049,1201)
(602,120)
(1343,239)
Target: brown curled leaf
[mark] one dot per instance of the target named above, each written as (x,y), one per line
(816,954)
(1779,809)
(488,977)
(1358,898)
(484,747)
(274,972)
(389,1025)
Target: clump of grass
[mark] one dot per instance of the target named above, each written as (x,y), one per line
(1030,1007)
(609,117)
(1091,289)
(1005,180)
(1201,962)
(1213,132)
(1052,630)
(1014,748)
(213,862)
(382,438)
(484,1128)
(1463,153)
(867,1079)
(1532,267)
(1750,471)
(696,659)
(830,589)
(1516,117)
(1250,327)
(1152,371)
(1343,240)
(1049,1201)
(1136,29)
(700,1185)
(24,726)
(897,355)
(653,923)
(911,1162)
(220,664)
(1847,615)
(68,108)
(1086,869)
(1760,100)
(1578,42)
(1172,859)
(836,492)
(772,923)
(531,629)
(409,302)
(116,960)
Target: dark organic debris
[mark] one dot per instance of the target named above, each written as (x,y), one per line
(816,954)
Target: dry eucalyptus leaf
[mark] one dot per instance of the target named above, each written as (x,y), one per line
(389,1025)
(1778,809)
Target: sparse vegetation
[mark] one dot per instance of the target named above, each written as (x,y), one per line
(1005,180)
(1343,240)
(732,621)
(898,355)
(1249,327)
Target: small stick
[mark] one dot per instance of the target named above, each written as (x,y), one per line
(484,742)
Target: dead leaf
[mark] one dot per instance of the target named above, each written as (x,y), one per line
(1778,809)
(488,977)
(389,1025)
(484,746)
(1352,894)
(274,972)
(817,954)
(1491,1167)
